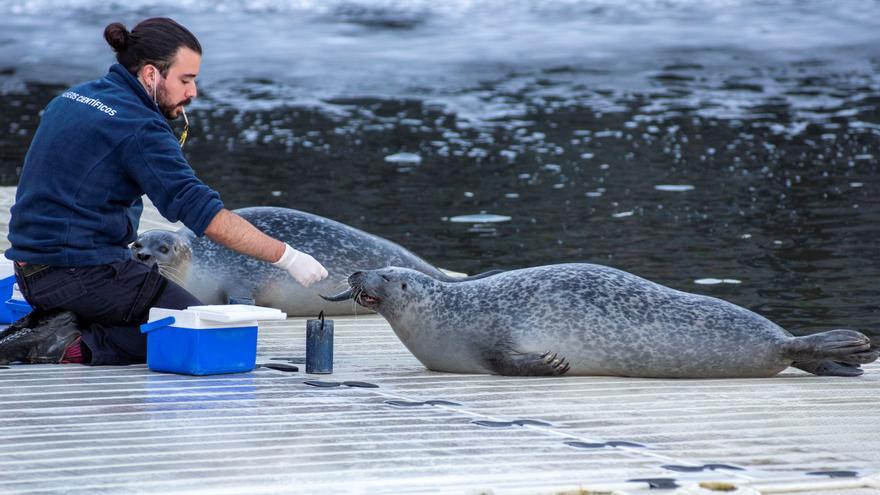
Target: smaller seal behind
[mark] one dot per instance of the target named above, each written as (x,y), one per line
(214,273)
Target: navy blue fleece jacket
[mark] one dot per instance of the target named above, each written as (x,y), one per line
(100,146)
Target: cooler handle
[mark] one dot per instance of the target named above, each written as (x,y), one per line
(153,325)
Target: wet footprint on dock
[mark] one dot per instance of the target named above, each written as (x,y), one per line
(697,469)
(657,483)
(586,445)
(280,367)
(360,384)
(435,402)
(354,384)
(835,474)
(505,424)
(319,383)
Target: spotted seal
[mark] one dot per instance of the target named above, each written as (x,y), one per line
(585,319)
(214,274)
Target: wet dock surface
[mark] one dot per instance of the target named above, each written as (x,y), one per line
(382,423)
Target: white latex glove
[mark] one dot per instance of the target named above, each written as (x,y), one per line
(301,266)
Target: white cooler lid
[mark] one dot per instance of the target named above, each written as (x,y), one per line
(230,313)
(217,316)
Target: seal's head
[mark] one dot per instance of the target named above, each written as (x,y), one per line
(170,250)
(388,290)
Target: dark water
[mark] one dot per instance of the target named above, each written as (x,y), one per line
(726,148)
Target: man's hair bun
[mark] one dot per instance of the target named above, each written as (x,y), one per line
(153,41)
(117,36)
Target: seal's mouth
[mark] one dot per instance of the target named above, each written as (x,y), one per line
(359,295)
(367,300)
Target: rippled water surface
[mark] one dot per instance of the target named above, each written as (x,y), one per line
(723,147)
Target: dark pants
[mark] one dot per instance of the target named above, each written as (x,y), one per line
(111,301)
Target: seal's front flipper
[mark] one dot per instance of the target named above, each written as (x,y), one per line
(827,367)
(513,363)
(846,346)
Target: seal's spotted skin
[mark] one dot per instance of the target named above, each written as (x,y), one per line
(583,319)
(213,273)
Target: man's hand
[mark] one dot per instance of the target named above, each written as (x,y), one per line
(301,266)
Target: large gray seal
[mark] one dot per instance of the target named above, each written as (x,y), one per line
(584,319)
(213,273)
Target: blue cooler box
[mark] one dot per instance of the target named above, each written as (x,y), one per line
(7,278)
(15,307)
(205,340)
(5,295)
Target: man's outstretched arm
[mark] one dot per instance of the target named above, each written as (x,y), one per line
(241,236)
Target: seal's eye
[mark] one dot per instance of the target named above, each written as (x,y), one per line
(385,277)
(137,245)
(403,286)
(163,249)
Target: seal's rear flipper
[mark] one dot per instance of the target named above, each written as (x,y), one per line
(827,367)
(513,363)
(846,346)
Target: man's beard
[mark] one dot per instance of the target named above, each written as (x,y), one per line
(168,108)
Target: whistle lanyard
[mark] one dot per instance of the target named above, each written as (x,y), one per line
(185,127)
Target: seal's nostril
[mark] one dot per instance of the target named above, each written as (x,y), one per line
(143,257)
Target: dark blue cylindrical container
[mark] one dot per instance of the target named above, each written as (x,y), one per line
(319,345)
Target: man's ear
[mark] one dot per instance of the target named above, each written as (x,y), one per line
(150,74)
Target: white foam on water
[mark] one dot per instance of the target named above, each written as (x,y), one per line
(674,187)
(404,158)
(716,281)
(306,52)
(480,218)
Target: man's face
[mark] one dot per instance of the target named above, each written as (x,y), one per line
(178,87)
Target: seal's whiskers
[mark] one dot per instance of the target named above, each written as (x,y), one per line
(172,273)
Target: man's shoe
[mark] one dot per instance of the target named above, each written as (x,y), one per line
(27,322)
(40,337)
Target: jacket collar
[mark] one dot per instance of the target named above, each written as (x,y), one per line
(119,73)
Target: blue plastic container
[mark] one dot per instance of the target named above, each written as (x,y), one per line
(204,340)
(17,309)
(6,284)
